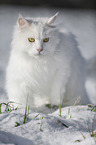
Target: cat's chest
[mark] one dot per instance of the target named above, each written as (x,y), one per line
(44,70)
(38,71)
(38,75)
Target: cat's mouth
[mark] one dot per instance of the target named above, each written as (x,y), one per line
(38,54)
(39,51)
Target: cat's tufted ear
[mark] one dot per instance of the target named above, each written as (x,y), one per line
(52,19)
(22,22)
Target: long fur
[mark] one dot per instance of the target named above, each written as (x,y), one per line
(56,75)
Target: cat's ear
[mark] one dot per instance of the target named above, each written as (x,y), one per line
(52,19)
(22,22)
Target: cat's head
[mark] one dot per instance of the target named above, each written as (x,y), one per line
(34,36)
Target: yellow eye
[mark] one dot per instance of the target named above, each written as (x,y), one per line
(31,39)
(46,40)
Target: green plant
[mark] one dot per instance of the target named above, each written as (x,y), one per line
(25,115)
(36,116)
(63,124)
(77,100)
(41,124)
(92,107)
(9,107)
(60,105)
(60,109)
(93,133)
(83,136)
(69,113)
(26,112)
(17,124)
(78,140)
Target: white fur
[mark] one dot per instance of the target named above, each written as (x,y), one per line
(54,76)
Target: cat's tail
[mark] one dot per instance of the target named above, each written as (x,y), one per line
(91,79)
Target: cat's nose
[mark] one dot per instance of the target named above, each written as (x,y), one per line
(40,49)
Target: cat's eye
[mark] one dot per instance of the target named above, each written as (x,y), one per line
(31,39)
(46,40)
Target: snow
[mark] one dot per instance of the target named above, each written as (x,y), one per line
(49,129)
(52,129)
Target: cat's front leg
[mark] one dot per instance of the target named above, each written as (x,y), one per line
(59,88)
(57,95)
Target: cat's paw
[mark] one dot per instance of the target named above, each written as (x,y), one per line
(50,106)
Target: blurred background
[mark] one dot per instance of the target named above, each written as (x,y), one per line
(77,16)
(82,4)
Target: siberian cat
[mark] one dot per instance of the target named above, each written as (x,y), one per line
(45,65)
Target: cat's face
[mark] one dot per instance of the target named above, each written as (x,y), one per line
(35,36)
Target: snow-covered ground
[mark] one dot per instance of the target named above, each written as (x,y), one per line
(49,129)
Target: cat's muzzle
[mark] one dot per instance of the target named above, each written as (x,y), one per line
(39,50)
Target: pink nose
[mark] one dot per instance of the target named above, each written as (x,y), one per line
(40,49)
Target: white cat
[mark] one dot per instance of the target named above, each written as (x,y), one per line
(45,65)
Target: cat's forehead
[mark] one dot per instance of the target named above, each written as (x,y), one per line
(37,20)
(38,28)
(37,25)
